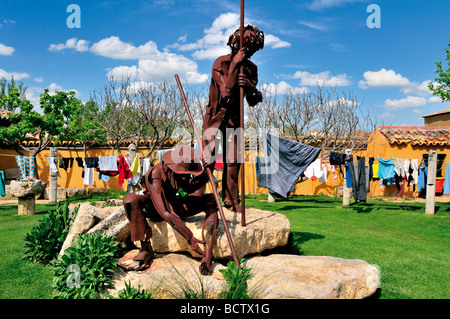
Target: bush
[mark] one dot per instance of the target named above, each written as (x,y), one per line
(236,280)
(129,292)
(86,268)
(44,241)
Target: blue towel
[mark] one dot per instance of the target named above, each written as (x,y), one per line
(421,183)
(447,180)
(348,175)
(285,162)
(2,184)
(386,168)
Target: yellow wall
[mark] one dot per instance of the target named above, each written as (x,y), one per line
(378,147)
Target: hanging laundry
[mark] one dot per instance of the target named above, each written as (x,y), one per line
(79,161)
(107,163)
(288,160)
(103,177)
(53,161)
(447,180)
(65,163)
(337,158)
(2,184)
(91,162)
(421,183)
(386,168)
(348,176)
(124,169)
(415,170)
(316,171)
(371,170)
(145,165)
(261,172)
(135,166)
(88,175)
(26,165)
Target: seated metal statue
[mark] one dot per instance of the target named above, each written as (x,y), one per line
(161,202)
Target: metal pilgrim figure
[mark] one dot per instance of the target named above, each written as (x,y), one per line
(179,168)
(229,73)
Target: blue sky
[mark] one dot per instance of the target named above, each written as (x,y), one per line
(386,68)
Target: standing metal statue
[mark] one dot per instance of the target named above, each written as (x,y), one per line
(232,74)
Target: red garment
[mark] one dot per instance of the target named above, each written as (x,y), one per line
(124,169)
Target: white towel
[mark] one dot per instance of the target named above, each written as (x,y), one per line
(88,175)
(107,163)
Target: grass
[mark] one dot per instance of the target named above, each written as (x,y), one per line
(412,249)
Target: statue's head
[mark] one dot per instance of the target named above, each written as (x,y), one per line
(253,40)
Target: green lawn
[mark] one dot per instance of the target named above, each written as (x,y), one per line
(411,248)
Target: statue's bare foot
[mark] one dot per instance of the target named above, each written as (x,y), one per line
(205,267)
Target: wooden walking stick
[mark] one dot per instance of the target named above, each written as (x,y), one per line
(210,175)
(242,150)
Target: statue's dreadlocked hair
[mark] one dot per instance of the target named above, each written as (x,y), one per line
(253,41)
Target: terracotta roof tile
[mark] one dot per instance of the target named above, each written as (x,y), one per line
(416,135)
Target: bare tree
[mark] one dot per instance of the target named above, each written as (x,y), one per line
(113,114)
(142,112)
(322,117)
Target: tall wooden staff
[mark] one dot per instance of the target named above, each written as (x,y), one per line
(210,175)
(242,150)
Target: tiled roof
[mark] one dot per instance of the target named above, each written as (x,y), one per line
(417,135)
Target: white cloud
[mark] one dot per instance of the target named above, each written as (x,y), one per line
(17,76)
(283,87)
(383,79)
(315,25)
(74,43)
(214,42)
(417,88)
(434,99)
(325,4)
(39,80)
(275,42)
(322,78)
(114,48)
(409,101)
(6,50)
(153,65)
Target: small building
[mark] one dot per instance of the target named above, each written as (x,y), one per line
(441,118)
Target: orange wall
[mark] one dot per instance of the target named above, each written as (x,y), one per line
(378,147)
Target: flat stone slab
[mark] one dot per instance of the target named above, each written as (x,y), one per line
(275,277)
(312,277)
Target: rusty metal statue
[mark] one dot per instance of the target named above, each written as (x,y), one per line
(160,201)
(231,74)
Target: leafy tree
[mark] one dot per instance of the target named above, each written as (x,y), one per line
(84,127)
(58,110)
(442,86)
(11,94)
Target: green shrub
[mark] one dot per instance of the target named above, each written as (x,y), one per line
(86,268)
(236,280)
(130,292)
(44,241)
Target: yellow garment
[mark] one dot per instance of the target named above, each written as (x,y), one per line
(135,167)
(375,170)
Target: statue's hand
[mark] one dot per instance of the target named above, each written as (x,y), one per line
(193,243)
(239,56)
